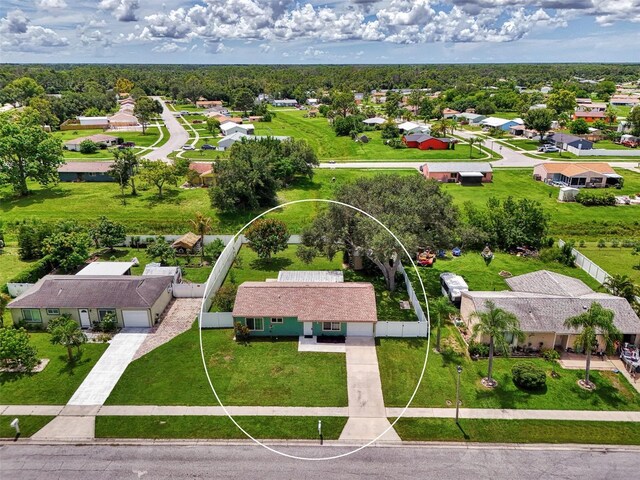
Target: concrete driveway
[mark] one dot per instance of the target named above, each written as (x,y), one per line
(178,136)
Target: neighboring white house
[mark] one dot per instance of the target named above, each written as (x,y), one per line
(285,102)
(375,121)
(412,127)
(229,140)
(94,121)
(107,268)
(227,128)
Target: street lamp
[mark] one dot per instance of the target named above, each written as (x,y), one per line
(459,369)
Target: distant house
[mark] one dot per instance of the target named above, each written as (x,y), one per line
(542,301)
(625,100)
(226,142)
(564,140)
(205,172)
(465,173)
(423,141)
(470,118)
(538,106)
(589,116)
(97,122)
(374,121)
(223,118)
(591,107)
(85,172)
(218,110)
(136,301)
(517,130)
(284,102)
(208,103)
(545,90)
(312,101)
(449,113)
(187,243)
(123,119)
(309,308)
(74,144)
(500,123)
(412,127)
(578,175)
(227,128)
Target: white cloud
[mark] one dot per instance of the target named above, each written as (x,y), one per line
(94,23)
(16,34)
(51,4)
(122,10)
(313,52)
(217,48)
(170,47)
(265,48)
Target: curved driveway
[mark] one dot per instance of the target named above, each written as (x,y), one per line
(178,136)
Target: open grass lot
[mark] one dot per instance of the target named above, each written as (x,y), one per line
(609,145)
(57,382)
(479,276)
(191,272)
(261,373)
(29,424)
(401,361)
(218,427)
(518,431)
(319,134)
(567,219)
(10,263)
(530,145)
(613,260)
(146,213)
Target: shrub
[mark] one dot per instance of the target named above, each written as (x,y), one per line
(213,250)
(225,298)
(87,147)
(601,243)
(108,324)
(526,375)
(34,272)
(615,243)
(15,349)
(479,349)
(590,198)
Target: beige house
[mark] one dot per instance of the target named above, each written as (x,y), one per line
(542,301)
(136,301)
(578,175)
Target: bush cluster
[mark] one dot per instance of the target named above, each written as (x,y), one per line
(479,349)
(590,198)
(527,375)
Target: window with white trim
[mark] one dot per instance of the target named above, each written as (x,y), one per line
(104,312)
(255,324)
(331,326)
(53,311)
(276,320)
(31,315)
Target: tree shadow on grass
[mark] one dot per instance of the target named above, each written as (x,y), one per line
(168,196)
(68,367)
(274,264)
(9,201)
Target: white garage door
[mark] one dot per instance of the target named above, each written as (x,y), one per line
(136,318)
(360,329)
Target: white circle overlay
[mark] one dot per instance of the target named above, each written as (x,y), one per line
(424,365)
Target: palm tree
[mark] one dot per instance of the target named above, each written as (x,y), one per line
(496,323)
(610,115)
(622,286)
(201,225)
(471,142)
(66,332)
(597,320)
(441,308)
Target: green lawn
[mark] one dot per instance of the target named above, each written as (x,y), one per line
(146,213)
(518,431)
(530,145)
(319,134)
(29,424)
(261,373)
(567,219)
(140,139)
(609,145)
(57,382)
(10,263)
(613,260)
(401,361)
(507,115)
(191,272)
(479,276)
(218,427)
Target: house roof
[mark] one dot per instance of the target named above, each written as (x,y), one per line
(571,169)
(156,270)
(188,240)
(423,137)
(570,140)
(72,291)
(447,111)
(408,126)
(544,281)
(591,114)
(201,167)
(85,167)
(106,268)
(470,116)
(98,137)
(309,302)
(123,116)
(495,121)
(311,276)
(374,121)
(446,167)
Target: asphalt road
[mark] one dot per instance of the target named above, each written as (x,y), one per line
(97,462)
(178,136)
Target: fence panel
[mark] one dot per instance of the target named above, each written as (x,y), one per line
(220,269)
(413,298)
(188,290)
(402,329)
(216,320)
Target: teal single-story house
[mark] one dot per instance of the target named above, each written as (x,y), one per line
(85,172)
(288,309)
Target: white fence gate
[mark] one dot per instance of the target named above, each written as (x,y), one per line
(402,329)
(216,320)
(188,290)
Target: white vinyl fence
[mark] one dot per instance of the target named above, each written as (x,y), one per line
(216,320)
(17,289)
(596,152)
(415,302)
(402,329)
(188,290)
(220,269)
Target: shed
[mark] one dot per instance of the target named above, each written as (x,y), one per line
(567,194)
(187,243)
(157,270)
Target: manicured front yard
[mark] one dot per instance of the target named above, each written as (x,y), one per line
(261,373)
(613,260)
(29,424)
(518,431)
(218,427)
(57,382)
(401,361)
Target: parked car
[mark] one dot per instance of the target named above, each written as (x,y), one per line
(206,146)
(188,147)
(548,148)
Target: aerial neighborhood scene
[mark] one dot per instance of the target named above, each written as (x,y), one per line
(227,246)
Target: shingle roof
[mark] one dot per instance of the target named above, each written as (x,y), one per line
(85,167)
(573,168)
(544,281)
(312,276)
(446,167)
(70,291)
(189,240)
(309,302)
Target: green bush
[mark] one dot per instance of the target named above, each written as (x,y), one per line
(526,375)
(225,298)
(87,146)
(34,272)
(590,198)
(479,349)
(108,324)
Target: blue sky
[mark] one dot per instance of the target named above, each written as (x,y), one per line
(339,31)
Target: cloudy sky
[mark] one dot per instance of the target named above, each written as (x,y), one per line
(334,31)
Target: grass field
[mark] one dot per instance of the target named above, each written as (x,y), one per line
(29,424)
(140,140)
(518,431)
(218,427)
(261,373)
(57,382)
(530,145)
(613,260)
(401,361)
(10,263)
(191,273)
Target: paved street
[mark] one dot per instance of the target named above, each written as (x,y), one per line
(21,461)
(178,136)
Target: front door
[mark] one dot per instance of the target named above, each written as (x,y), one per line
(308,329)
(84,318)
